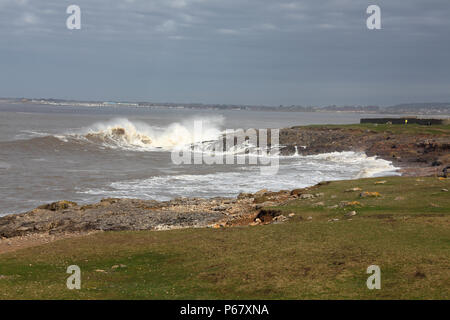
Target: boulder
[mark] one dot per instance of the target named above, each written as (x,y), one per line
(280,218)
(244,195)
(350,214)
(59,205)
(262,192)
(297,192)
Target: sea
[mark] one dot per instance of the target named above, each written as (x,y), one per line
(83,154)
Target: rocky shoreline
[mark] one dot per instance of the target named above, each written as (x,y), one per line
(416,154)
(116,214)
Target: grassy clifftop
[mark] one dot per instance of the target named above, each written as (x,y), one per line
(408,146)
(413,129)
(321,252)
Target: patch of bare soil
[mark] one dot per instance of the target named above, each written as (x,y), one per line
(32,240)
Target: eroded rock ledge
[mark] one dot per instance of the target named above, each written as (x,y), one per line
(133,214)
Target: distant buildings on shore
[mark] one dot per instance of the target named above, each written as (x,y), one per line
(411,108)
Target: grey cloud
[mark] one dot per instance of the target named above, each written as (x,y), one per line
(237,51)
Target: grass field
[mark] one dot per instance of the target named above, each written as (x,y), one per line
(405,230)
(412,129)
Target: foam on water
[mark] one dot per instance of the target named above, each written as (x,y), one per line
(4,165)
(294,172)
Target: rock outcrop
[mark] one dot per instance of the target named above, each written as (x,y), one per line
(133,214)
(405,150)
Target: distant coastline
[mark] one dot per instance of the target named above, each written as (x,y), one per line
(426,108)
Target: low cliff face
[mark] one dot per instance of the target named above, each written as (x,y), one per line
(406,148)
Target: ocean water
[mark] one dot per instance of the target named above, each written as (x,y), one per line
(84,154)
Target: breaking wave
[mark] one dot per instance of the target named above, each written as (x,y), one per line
(139,136)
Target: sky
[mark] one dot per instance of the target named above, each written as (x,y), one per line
(255,52)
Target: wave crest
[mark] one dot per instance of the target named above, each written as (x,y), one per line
(135,135)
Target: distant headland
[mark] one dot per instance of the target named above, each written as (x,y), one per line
(425,108)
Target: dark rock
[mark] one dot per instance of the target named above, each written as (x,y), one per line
(60,205)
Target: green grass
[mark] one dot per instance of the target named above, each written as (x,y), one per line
(408,238)
(410,129)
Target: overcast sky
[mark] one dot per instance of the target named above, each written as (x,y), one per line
(268,52)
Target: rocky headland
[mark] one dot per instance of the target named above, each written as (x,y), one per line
(415,152)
